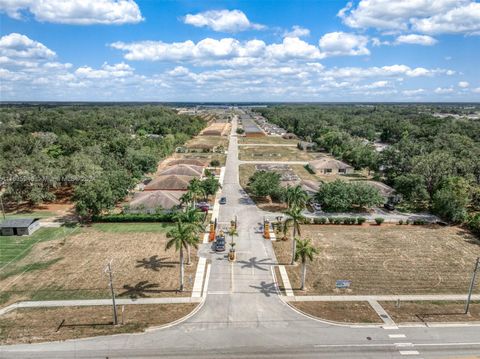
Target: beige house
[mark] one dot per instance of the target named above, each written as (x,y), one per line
(330,166)
(153,201)
(182,170)
(169,182)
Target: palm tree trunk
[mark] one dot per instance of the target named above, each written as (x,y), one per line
(294,244)
(304,274)
(188,256)
(181,269)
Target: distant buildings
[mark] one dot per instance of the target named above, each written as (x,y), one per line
(330,166)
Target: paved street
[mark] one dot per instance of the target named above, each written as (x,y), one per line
(243,316)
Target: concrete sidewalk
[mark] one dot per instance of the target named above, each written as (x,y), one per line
(366,298)
(97,302)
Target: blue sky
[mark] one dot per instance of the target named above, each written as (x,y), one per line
(264,50)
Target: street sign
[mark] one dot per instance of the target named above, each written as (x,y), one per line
(342,283)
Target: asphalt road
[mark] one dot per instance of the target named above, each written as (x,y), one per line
(243,317)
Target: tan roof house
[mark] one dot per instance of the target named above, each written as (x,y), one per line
(153,201)
(330,166)
(182,170)
(169,182)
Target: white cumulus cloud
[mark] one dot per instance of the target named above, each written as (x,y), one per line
(222,21)
(76,12)
(425,16)
(297,31)
(341,43)
(463,84)
(18,46)
(416,39)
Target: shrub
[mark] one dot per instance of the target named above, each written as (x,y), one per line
(134,217)
(240,131)
(361,220)
(331,220)
(419,222)
(321,220)
(337,220)
(473,223)
(379,220)
(400,222)
(407,221)
(309,169)
(215,163)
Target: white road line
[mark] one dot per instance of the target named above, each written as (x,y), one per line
(403,345)
(232,283)
(197,284)
(286,281)
(409,352)
(207,279)
(392,336)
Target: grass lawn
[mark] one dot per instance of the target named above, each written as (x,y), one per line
(275,140)
(387,259)
(30,325)
(272,153)
(438,311)
(345,312)
(34,214)
(14,248)
(132,227)
(206,157)
(73,267)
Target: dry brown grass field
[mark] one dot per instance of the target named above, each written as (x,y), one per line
(73,267)
(275,153)
(346,312)
(273,140)
(48,324)
(387,259)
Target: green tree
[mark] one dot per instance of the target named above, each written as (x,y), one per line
(305,251)
(181,237)
(335,196)
(452,199)
(413,189)
(92,198)
(264,183)
(196,190)
(210,186)
(295,217)
(195,217)
(365,196)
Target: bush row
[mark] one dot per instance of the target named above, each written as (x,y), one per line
(339,220)
(134,217)
(416,222)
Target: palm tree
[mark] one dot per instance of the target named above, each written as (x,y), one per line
(305,250)
(194,217)
(180,237)
(196,190)
(232,231)
(187,199)
(296,197)
(296,216)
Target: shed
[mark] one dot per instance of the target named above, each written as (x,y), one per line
(19,227)
(330,166)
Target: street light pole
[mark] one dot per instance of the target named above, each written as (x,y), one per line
(472,284)
(108,270)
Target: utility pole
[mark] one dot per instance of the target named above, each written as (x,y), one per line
(108,269)
(472,284)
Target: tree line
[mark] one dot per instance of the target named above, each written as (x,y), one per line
(434,163)
(98,152)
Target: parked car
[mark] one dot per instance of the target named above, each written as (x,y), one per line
(223,200)
(316,207)
(219,244)
(389,206)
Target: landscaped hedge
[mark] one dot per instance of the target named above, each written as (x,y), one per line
(474,223)
(134,217)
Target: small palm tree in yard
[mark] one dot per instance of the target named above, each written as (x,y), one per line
(181,237)
(305,250)
(196,190)
(295,217)
(194,217)
(296,197)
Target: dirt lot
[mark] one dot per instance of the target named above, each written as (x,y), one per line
(387,259)
(45,324)
(432,311)
(206,157)
(274,153)
(211,141)
(73,267)
(274,140)
(345,312)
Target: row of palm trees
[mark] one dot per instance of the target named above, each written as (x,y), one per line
(189,223)
(302,250)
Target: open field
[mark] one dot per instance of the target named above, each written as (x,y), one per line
(345,312)
(208,141)
(272,153)
(274,140)
(432,311)
(206,157)
(45,324)
(387,259)
(73,267)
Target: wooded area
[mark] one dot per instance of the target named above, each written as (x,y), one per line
(98,152)
(434,163)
